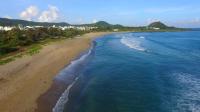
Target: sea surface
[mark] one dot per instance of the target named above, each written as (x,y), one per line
(137,72)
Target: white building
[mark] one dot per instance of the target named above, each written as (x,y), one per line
(63,27)
(38,26)
(6,28)
(83,28)
(1,27)
(29,27)
(115,30)
(156,28)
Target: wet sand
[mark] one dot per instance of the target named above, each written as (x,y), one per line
(24,82)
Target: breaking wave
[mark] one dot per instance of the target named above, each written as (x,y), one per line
(188,96)
(59,107)
(70,70)
(134,43)
(142,37)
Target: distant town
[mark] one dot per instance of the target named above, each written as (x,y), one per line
(21,27)
(9,24)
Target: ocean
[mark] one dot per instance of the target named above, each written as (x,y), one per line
(136,72)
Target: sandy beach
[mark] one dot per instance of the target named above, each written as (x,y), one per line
(24,80)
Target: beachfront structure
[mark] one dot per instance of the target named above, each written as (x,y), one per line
(1,27)
(115,30)
(156,28)
(83,28)
(31,27)
(6,28)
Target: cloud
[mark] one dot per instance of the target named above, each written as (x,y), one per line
(79,21)
(195,21)
(192,21)
(8,17)
(185,23)
(94,21)
(33,13)
(49,15)
(29,13)
(151,20)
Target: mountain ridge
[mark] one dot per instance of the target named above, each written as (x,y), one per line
(100,24)
(16,22)
(158,24)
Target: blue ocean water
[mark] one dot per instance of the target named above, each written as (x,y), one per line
(140,72)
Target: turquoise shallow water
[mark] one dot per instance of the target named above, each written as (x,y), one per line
(140,72)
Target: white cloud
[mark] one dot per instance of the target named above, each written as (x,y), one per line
(185,23)
(79,21)
(94,21)
(151,20)
(50,15)
(188,23)
(195,21)
(8,17)
(29,13)
(192,21)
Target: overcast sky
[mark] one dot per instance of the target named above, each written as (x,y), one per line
(181,13)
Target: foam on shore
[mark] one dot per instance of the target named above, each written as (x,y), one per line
(70,70)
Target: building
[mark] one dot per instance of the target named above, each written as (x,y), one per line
(6,28)
(156,28)
(115,30)
(82,28)
(1,28)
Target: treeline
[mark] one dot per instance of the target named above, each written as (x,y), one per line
(16,39)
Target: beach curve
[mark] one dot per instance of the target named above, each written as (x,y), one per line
(23,81)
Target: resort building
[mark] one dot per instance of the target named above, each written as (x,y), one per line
(6,28)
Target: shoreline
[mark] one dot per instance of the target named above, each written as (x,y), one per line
(57,95)
(26,79)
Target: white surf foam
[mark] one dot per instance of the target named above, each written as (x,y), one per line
(59,107)
(188,97)
(72,66)
(142,37)
(132,43)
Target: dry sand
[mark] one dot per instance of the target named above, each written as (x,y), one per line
(24,80)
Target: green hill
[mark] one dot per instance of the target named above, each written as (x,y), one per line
(105,24)
(158,25)
(15,22)
(98,24)
(102,24)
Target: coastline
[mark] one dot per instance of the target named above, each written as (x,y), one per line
(25,80)
(57,95)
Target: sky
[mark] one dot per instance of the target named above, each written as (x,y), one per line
(179,13)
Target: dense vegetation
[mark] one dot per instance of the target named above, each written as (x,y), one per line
(104,26)
(16,39)
(162,26)
(16,22)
